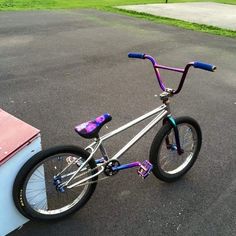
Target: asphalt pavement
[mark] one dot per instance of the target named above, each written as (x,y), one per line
(61,68)
(208,13)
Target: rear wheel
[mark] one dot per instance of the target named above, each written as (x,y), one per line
(37,190)
(168,165)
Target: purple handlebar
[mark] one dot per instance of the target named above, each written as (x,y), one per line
(184,71)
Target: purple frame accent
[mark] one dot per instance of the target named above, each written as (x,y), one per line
(144,172)
(99,161)
(183,77)
(170,68)
(155,65)
(127,166)
(158,75)
(121,167)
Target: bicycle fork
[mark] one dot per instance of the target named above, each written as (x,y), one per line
(170,119)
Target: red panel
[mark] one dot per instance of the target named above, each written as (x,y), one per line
(14,134)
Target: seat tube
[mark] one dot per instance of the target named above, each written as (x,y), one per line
(103,152)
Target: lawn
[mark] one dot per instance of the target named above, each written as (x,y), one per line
(62,4)
(108,5)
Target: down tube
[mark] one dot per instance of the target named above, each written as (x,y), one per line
(140,135)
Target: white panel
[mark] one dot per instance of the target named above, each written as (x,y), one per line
(10,218)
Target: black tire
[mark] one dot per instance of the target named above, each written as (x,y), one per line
(51,160)
(160,145)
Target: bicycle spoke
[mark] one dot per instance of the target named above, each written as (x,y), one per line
(41,191)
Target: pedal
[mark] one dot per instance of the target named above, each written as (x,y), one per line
(145,169)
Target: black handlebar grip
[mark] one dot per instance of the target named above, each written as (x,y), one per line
(136,55)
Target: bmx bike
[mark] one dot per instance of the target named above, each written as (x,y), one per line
(58,181)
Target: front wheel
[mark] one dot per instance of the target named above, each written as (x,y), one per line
(168,165)
(37,190)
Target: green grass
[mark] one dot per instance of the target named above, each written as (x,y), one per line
(65,4)
(108,5)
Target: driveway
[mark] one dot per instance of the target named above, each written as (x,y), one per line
(208,13)
(61,68)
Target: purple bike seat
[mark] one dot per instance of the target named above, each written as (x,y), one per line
(90,129)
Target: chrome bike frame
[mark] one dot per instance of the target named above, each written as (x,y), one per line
(160,112)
